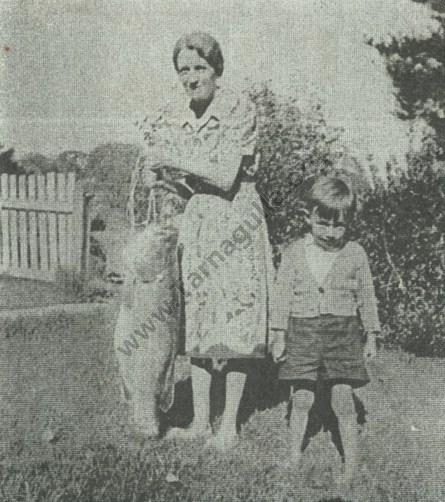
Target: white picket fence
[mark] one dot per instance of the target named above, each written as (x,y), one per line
(44,226)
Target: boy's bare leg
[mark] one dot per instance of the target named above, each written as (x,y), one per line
(361,394)
(201,380)
(227,434)
(302,401)
(343,406)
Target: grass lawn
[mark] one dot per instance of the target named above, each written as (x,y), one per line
(64,433)
(23,293)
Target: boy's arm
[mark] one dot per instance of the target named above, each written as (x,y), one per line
(367,302)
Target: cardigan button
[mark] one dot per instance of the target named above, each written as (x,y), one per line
(321,290)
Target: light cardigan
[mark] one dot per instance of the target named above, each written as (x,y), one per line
(347,289)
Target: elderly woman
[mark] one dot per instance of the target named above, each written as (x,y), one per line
(209,137)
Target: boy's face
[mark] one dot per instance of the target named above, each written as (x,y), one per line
(328,234)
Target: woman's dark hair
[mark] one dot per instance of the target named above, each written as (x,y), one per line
(206,47)
(331,197)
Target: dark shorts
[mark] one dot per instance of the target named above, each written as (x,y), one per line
(327,347)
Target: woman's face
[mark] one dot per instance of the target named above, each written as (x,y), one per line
(196,75)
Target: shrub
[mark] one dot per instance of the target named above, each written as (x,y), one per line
(293,146)
(401,224)
(107,174)
(8,165)
(36,163)
(402,227)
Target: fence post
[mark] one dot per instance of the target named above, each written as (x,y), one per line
(76,251)
(81,232)
(5,223)
(85,261)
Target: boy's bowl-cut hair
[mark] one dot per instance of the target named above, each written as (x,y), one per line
(332,198)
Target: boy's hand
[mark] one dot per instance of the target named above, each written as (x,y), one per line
(370,350)
(278,346)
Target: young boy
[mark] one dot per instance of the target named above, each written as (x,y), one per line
(324,300)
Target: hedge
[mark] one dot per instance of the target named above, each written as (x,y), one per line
(401,223)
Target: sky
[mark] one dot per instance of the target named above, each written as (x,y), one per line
(74,73)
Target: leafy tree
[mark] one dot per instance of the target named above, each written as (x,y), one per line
(36,163)
(402,226)
(7,163)
(294,146)
(401,223)
(417,68)
(107,175)
(345,72)
(72,160)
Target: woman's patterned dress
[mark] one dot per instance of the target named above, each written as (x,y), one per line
(226,259)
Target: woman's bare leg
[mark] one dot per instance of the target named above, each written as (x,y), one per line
(227,434)
(343,406)
(201,380)
(234,391)
(302,401)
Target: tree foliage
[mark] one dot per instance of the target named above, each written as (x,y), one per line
(107,174)
(336,60)
(417,68)
(401,223)
(37,163)
(7,163)
(295,145)
(72,161)
(402,226)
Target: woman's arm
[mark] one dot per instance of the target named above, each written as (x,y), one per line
(234,150)
(160,149)
(217,166)
(217,170)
